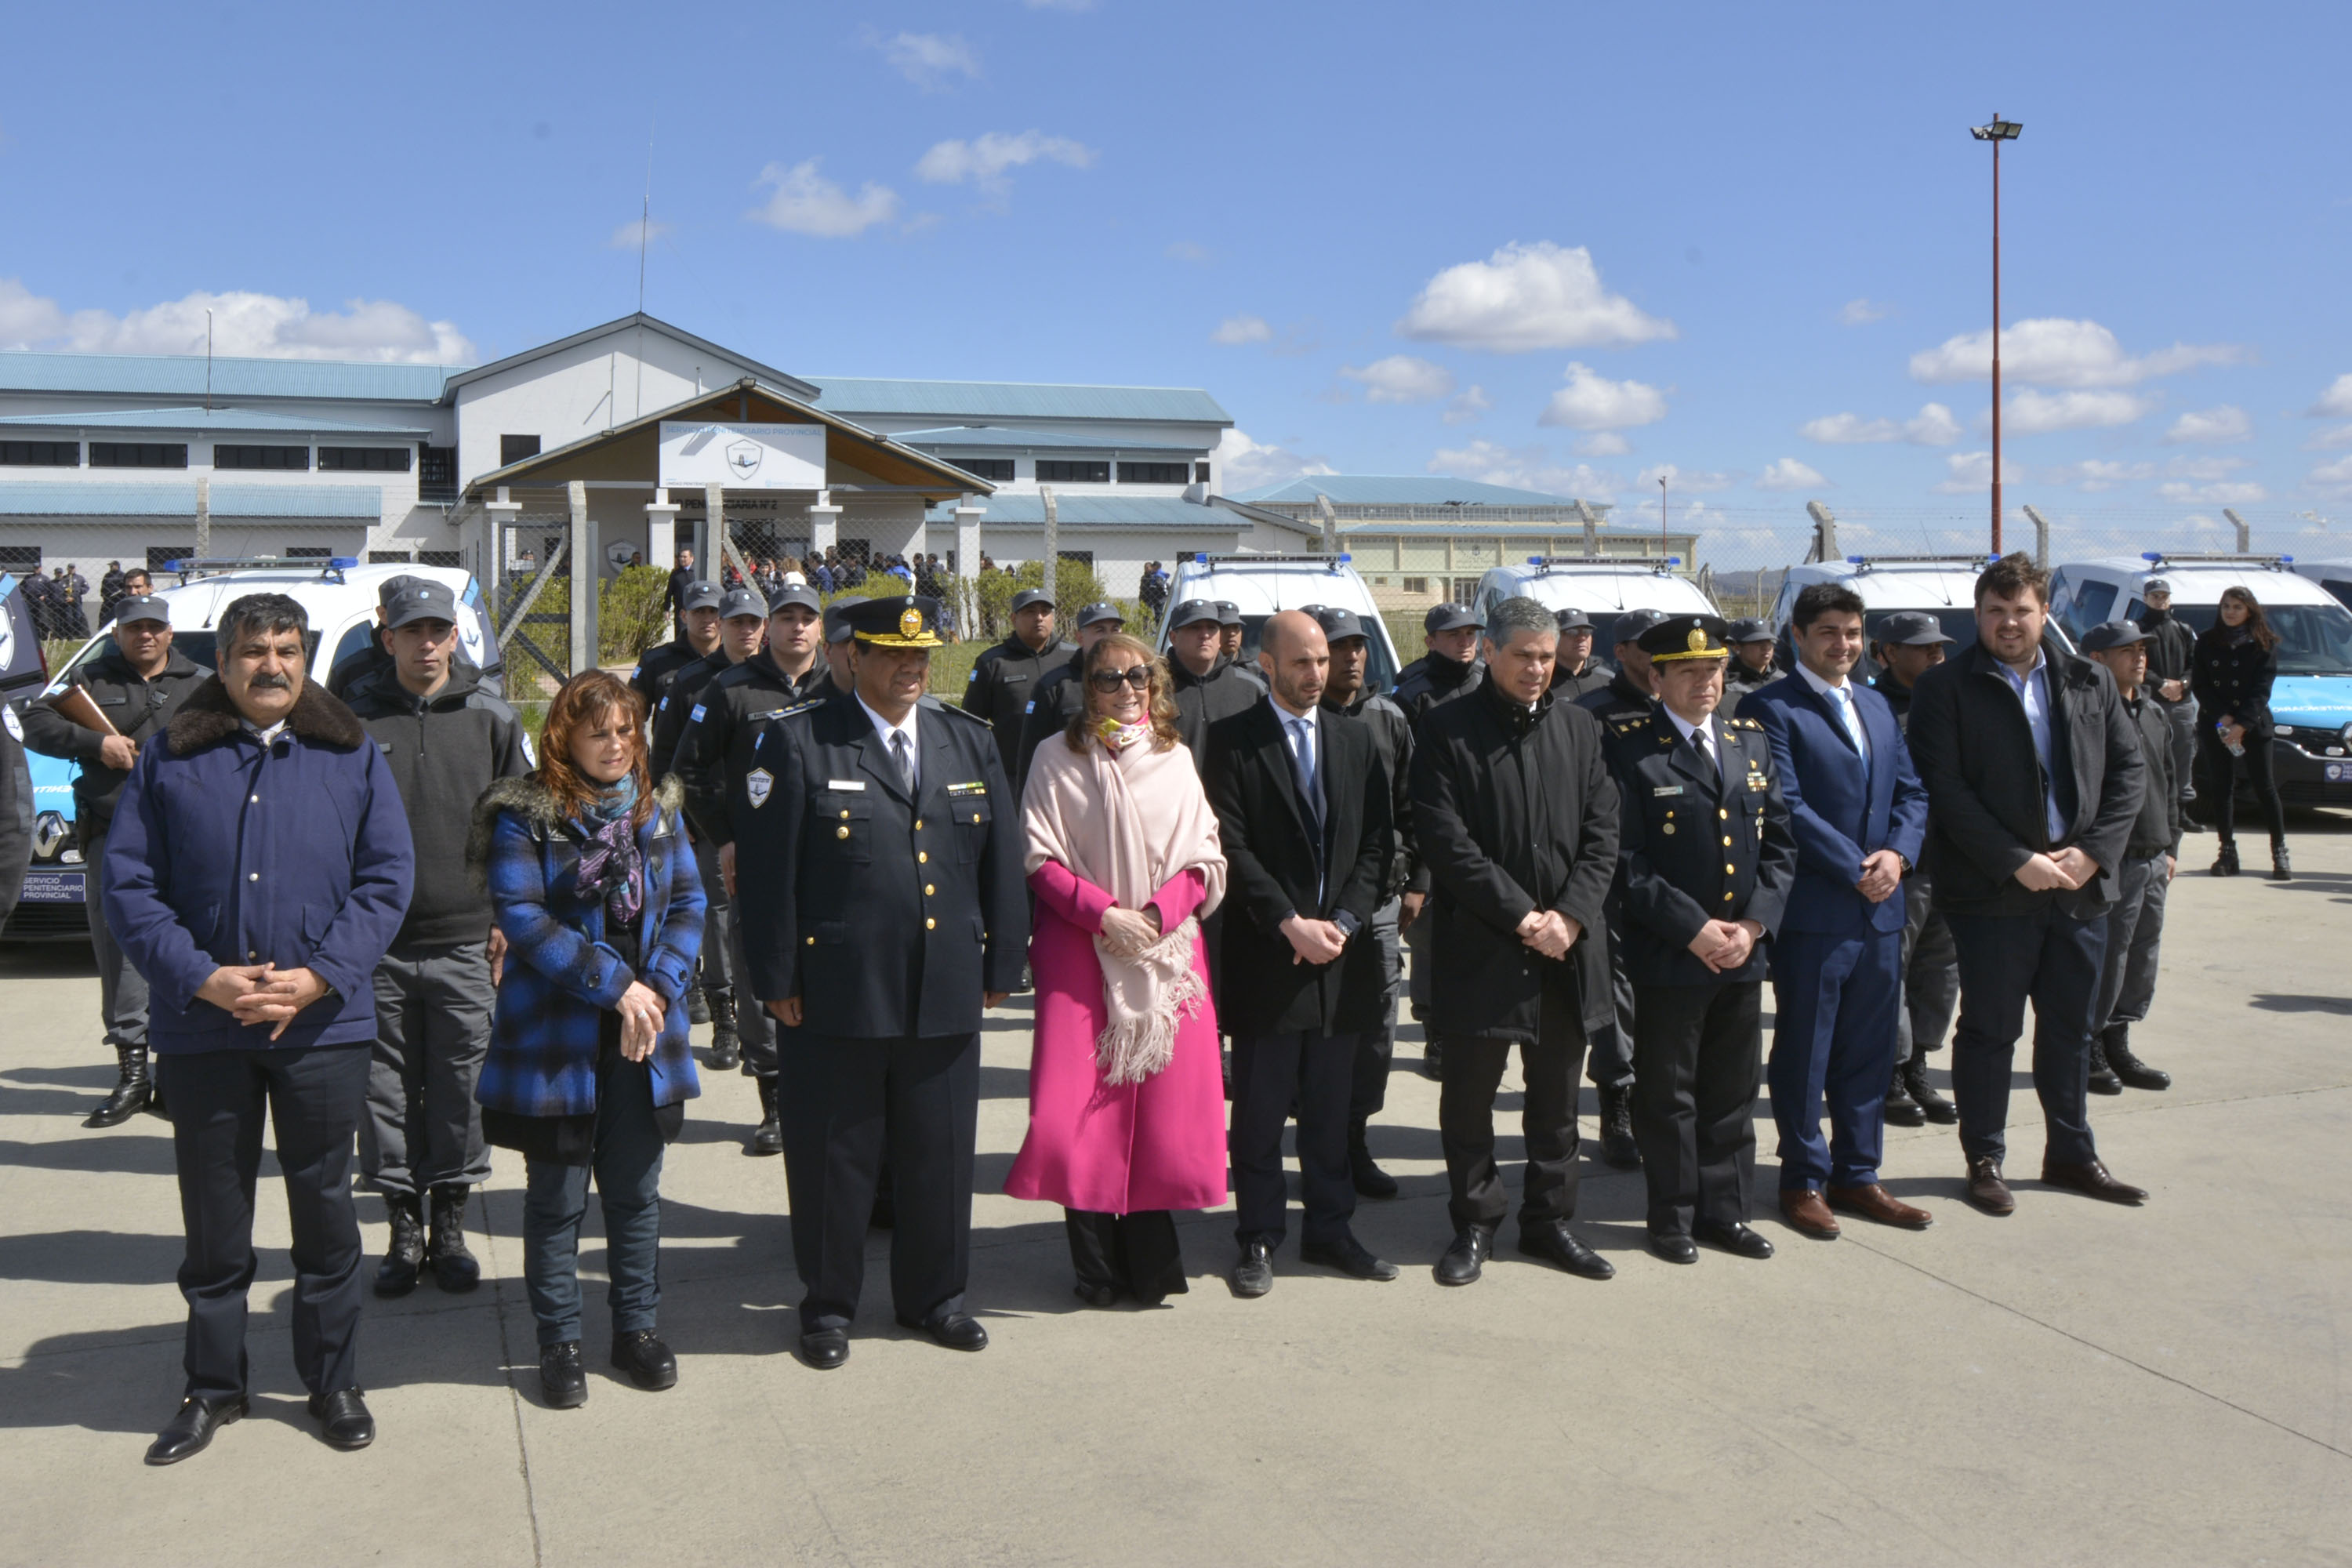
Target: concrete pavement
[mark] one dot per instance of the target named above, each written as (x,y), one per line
(2075,1384)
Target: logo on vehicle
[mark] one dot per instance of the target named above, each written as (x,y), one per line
(743,459)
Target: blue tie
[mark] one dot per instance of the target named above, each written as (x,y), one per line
(1852,719)
(1302,759)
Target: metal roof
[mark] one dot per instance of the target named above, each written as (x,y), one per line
(768,374)
(203,419)
(177,498)
(1025,512)
(1398,489)
(182,375)
(998,436)
(1016,400)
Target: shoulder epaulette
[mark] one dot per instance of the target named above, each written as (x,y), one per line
(1737,723)
(799,708)
(933,705)
(1625,724)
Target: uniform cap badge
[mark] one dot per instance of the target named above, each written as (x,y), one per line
(911,623)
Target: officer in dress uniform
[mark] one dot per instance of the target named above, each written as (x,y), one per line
(1705,861)
(884,908)
(1004,677)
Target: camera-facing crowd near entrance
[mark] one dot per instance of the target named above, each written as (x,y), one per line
(391,923)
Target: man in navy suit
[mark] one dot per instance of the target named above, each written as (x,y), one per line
(1860,816)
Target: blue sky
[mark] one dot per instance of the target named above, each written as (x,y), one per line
(1564,246)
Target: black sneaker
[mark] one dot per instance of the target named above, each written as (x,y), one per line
(562,1377)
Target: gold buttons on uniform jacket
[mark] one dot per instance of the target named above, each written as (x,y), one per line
(918,825)
(1668,828)
(1727,841)
(1729,870)
(928,890)
(812,941)
(922,857)
(1726,898)
(1723,812)
(975,816)
(841,833)
(930,925)
(844,816)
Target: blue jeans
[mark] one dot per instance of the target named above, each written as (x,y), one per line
(628,1166)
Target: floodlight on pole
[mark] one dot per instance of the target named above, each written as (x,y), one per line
(1999,132)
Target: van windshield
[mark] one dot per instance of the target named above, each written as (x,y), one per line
(2313,639)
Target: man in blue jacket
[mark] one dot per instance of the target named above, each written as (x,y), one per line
(258,867)
(1859,814)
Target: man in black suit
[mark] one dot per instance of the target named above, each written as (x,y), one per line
(1515,819)
(883,909)
(1302,807)
(2033,777)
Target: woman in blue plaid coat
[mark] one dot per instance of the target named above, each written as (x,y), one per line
(591,881)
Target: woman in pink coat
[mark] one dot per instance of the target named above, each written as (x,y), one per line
(1127,1111)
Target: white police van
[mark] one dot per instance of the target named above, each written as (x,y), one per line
(2336,577)
(339,594)
(1264,586)
(2312,698)
(1601,588)
(1944,586)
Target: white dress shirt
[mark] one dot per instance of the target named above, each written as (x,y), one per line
(1840,697)
(1701,735)
(885,729)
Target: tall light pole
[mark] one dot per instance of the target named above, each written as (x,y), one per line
(1999,132)
(1665,539)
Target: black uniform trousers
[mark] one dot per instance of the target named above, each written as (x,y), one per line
(1611,1064)
(1272,1072)
(314,1099)
(725,970)
(838,1097)
(1697,1051)
(1470,1073)
(2054,959)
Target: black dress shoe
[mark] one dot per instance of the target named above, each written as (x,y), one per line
(1902,1110)
(343,1418)
(1253,1273)
(1370,1180)
(1558,1243)
(649,1364)
(1350,1258)
(824,1348)
(2090,1178)
(1673,1247)
(191,1431)
(1734,1237)
(1467,1258)
(561,1378)
(1094,1295)
(1432,1060)
(956,1330)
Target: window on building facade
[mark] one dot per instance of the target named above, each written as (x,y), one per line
(1053,470)
(137,454)
(226,457)
(1200,473)
(436,474)
(308,552)
(1417,584)
(389,557)
(515,448)
(1152,473)
(439,558)
(20,558)
(365,459)
(994,470)
(40,454)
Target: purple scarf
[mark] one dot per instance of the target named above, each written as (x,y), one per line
(611,865)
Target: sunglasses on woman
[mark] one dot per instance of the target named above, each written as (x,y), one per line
(1109,681)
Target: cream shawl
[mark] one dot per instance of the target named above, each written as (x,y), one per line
(1129,821)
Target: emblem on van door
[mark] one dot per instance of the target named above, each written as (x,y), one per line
(743,459)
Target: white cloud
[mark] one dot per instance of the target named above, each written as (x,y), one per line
(2243,493)
(984,159)
(1694,481)
(1470,402)
(1528,297)
(2032,412)
(2332,479)
(1933,426)
(1601,444)
(927,60)
(263,326)
(1526,467)
(636,231)
(2055,352)
(1242,464)
(2323,441)
(1237,330)
(2202,468)
(1593,402)
(1862,313)
(2210,426)
(1788,474)
(2094,475)
(807,203)
(1400,378)
(1971,473)
(2336,402)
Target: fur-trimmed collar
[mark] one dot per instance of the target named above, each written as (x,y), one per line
(529,799)
(207,718)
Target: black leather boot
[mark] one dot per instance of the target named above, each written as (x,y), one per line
(1617,1145)
(131,1091)
(725,1049)
(1932,1105)
(770,1138)
(2280,871)
(697,1005)
(1372,1182)
(2225,864)
(396,1275)
(2135,1073)
(2102,1077)
(1902,1110)
(453,1268)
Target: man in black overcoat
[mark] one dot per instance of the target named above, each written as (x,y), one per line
(1302,808)
(883,909)
(1515,819)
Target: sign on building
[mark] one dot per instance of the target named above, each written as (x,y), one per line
(742,456)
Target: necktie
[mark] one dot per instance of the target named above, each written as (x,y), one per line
(905,756)
(1843,698)
(1705,739)
(1302,756)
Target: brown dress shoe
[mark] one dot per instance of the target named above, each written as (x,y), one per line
(1875,1202)
(2091,1180)
(1986,1190)
(1807,1214)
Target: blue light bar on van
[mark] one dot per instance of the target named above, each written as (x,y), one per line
(2151,555)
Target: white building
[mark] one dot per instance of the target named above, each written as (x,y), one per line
(134,457)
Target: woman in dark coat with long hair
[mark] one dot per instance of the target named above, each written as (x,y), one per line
(2231,675)
(588,1072)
